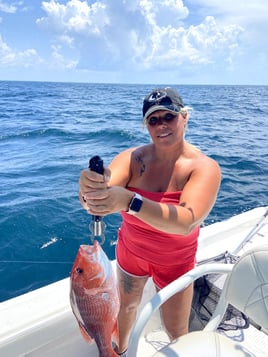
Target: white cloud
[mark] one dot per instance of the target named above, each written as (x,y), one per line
(142,34)
(59,62)
(241,12)
(163,12)
(11,58)
(75,17)
(201,44)
(29,58)
(8,8)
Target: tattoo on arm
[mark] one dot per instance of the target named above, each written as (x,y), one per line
(183,204)
(142,167)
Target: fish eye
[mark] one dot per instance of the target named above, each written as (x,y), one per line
(79,270)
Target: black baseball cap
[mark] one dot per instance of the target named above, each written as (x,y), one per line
(162,99)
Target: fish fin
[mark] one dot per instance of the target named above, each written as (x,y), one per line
(85,335)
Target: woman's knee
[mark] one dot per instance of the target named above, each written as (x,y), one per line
(175,313)
(175,331)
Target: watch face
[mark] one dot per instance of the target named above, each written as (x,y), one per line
(136,203)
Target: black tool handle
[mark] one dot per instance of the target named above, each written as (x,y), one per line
(96,164)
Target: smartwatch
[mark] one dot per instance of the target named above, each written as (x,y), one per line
(135,204)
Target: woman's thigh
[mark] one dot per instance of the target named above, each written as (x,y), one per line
(130,287)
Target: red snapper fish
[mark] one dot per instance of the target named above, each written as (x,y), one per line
(94,298)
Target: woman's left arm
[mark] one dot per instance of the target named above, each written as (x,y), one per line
(197,199)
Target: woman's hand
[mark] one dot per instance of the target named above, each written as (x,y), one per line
(98,198)
(110,200)
(89,182)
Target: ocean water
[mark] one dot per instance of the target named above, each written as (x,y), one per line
(50,130)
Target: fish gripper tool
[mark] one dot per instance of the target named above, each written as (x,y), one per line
(97,225)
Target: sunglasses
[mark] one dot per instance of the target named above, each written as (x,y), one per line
(168,117)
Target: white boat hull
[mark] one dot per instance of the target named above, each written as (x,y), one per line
(40,323)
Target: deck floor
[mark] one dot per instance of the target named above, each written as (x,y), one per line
(154,338)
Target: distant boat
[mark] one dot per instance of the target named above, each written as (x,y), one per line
(41,324)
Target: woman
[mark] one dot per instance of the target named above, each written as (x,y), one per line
(164,190)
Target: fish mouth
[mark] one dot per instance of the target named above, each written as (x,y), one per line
(87,250)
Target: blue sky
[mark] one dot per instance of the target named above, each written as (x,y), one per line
(135,41)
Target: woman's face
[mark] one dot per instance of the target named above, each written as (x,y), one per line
(166,128)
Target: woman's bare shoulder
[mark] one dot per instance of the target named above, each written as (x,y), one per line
(200,163)
(121,165)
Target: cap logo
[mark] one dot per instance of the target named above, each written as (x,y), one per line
(157,96)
